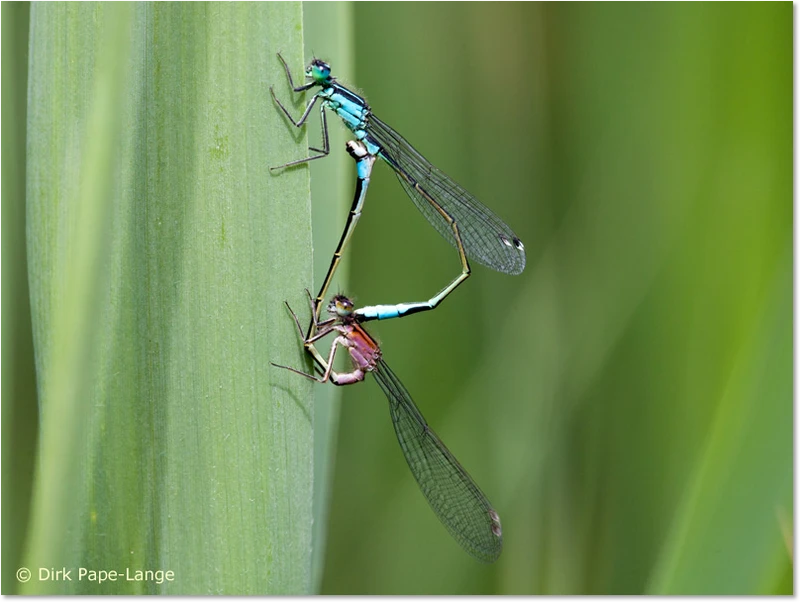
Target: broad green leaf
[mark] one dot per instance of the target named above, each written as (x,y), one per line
(161,250)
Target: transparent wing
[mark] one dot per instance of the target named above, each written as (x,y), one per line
(451,492)
(486,238)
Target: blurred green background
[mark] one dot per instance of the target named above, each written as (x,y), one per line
(626,402)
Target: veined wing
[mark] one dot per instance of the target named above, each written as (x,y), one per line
(451,492)
(486,238)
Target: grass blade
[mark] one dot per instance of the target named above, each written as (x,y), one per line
(161,250)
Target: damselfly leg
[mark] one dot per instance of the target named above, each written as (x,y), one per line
(479,233)
(452,494)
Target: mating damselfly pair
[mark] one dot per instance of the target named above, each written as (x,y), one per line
(473,230)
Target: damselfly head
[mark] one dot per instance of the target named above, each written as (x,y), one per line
(340,306)
(319,71)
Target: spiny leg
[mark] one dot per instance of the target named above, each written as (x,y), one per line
(326,148)
(327,365)
(308,345)
(299,123)
(324,151)
(289,75)
(317,324)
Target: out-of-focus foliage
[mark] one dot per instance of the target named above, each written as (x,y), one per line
(626,403)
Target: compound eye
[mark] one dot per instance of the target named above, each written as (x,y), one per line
(319,70)
(344,306)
